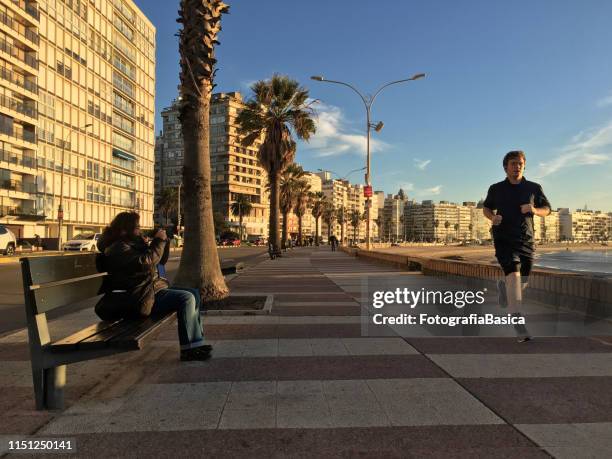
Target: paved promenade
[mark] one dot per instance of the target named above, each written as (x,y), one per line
(305,382)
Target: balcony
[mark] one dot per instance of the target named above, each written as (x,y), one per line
(28,7)
(18,53)
(19,133)
(18,211)
(19,80)
(18,106)
(16,185)
(18,159)
(29,35)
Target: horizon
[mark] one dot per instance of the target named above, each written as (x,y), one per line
(534,77)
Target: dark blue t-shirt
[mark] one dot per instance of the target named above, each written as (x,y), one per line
(507,199)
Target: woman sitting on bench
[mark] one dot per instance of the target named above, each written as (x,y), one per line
(134,290)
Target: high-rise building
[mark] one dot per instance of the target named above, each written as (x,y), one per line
(77,112)
(235,169)
(583,225)
(547,228)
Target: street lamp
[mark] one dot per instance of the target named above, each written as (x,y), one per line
(178,211)
(60,208)
(368,101)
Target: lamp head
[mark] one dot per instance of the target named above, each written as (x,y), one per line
(88,125)
(417,76)
(379,126)
(317,78)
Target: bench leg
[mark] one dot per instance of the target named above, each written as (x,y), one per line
(38,378)
(54,382)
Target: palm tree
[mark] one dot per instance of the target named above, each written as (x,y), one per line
(446,227)
(471,228)
(240,208)
(302,193)
(341,217)
(278,111)
(456,226)
(317,200)
(356,218)
(167,202)
(199,266)
(329,217)
(288,179)
(379,222)
(436,223)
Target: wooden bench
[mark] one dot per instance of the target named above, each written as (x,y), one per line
(52,282)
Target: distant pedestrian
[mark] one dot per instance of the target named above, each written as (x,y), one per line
(511,206)
(37,242)
(334,242)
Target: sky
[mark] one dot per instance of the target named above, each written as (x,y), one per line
(501,76)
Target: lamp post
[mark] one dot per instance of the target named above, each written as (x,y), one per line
(368,101)
(178,210)
(60,207)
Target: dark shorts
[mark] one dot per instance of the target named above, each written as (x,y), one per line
(514,257)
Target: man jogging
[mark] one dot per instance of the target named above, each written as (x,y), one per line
(511,206)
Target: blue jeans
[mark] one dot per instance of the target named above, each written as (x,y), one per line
(186,303)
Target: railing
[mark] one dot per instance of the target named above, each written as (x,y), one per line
(18,79)
(28,8)
(19,133)
(15,185)
(18,106)
(18,53)
(17,210)
(27,33)
(18,159)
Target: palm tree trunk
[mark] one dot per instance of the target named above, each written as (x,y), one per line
(284,240)
(341,233)
(240,223)
(317,232)
(199,266)
(300,230)
(275,236)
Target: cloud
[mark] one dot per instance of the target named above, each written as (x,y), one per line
(605,101)
(420,163)
(246,86)
(408,186)
(435,190)
(587,148)
(333,138)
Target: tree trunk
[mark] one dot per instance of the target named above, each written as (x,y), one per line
(199,266)
(317,232)
(342,233)
(240,223)
(300,242)
(284,239)
(275,236)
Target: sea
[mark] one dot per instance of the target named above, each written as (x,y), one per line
(593,261)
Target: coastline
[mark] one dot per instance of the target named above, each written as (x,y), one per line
(482,253)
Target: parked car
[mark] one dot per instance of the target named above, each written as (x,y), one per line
(83,242)
(230,242)
(8,242)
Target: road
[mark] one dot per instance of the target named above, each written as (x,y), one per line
(12,313)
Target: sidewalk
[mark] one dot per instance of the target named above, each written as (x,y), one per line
(303,381)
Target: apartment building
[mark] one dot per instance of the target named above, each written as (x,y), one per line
(349,197)
(393,217)
(78,79)
(235,169)
(583,225)
(547,229)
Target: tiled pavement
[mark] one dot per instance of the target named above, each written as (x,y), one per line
(304,381)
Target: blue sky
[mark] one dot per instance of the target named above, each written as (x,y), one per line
(530,75)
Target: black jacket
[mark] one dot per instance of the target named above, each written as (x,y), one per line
(129,289)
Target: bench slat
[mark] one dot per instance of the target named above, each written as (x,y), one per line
(71,342)
(56,268)
(49,298)
(144,332)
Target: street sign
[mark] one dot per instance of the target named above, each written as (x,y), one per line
(367,191)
